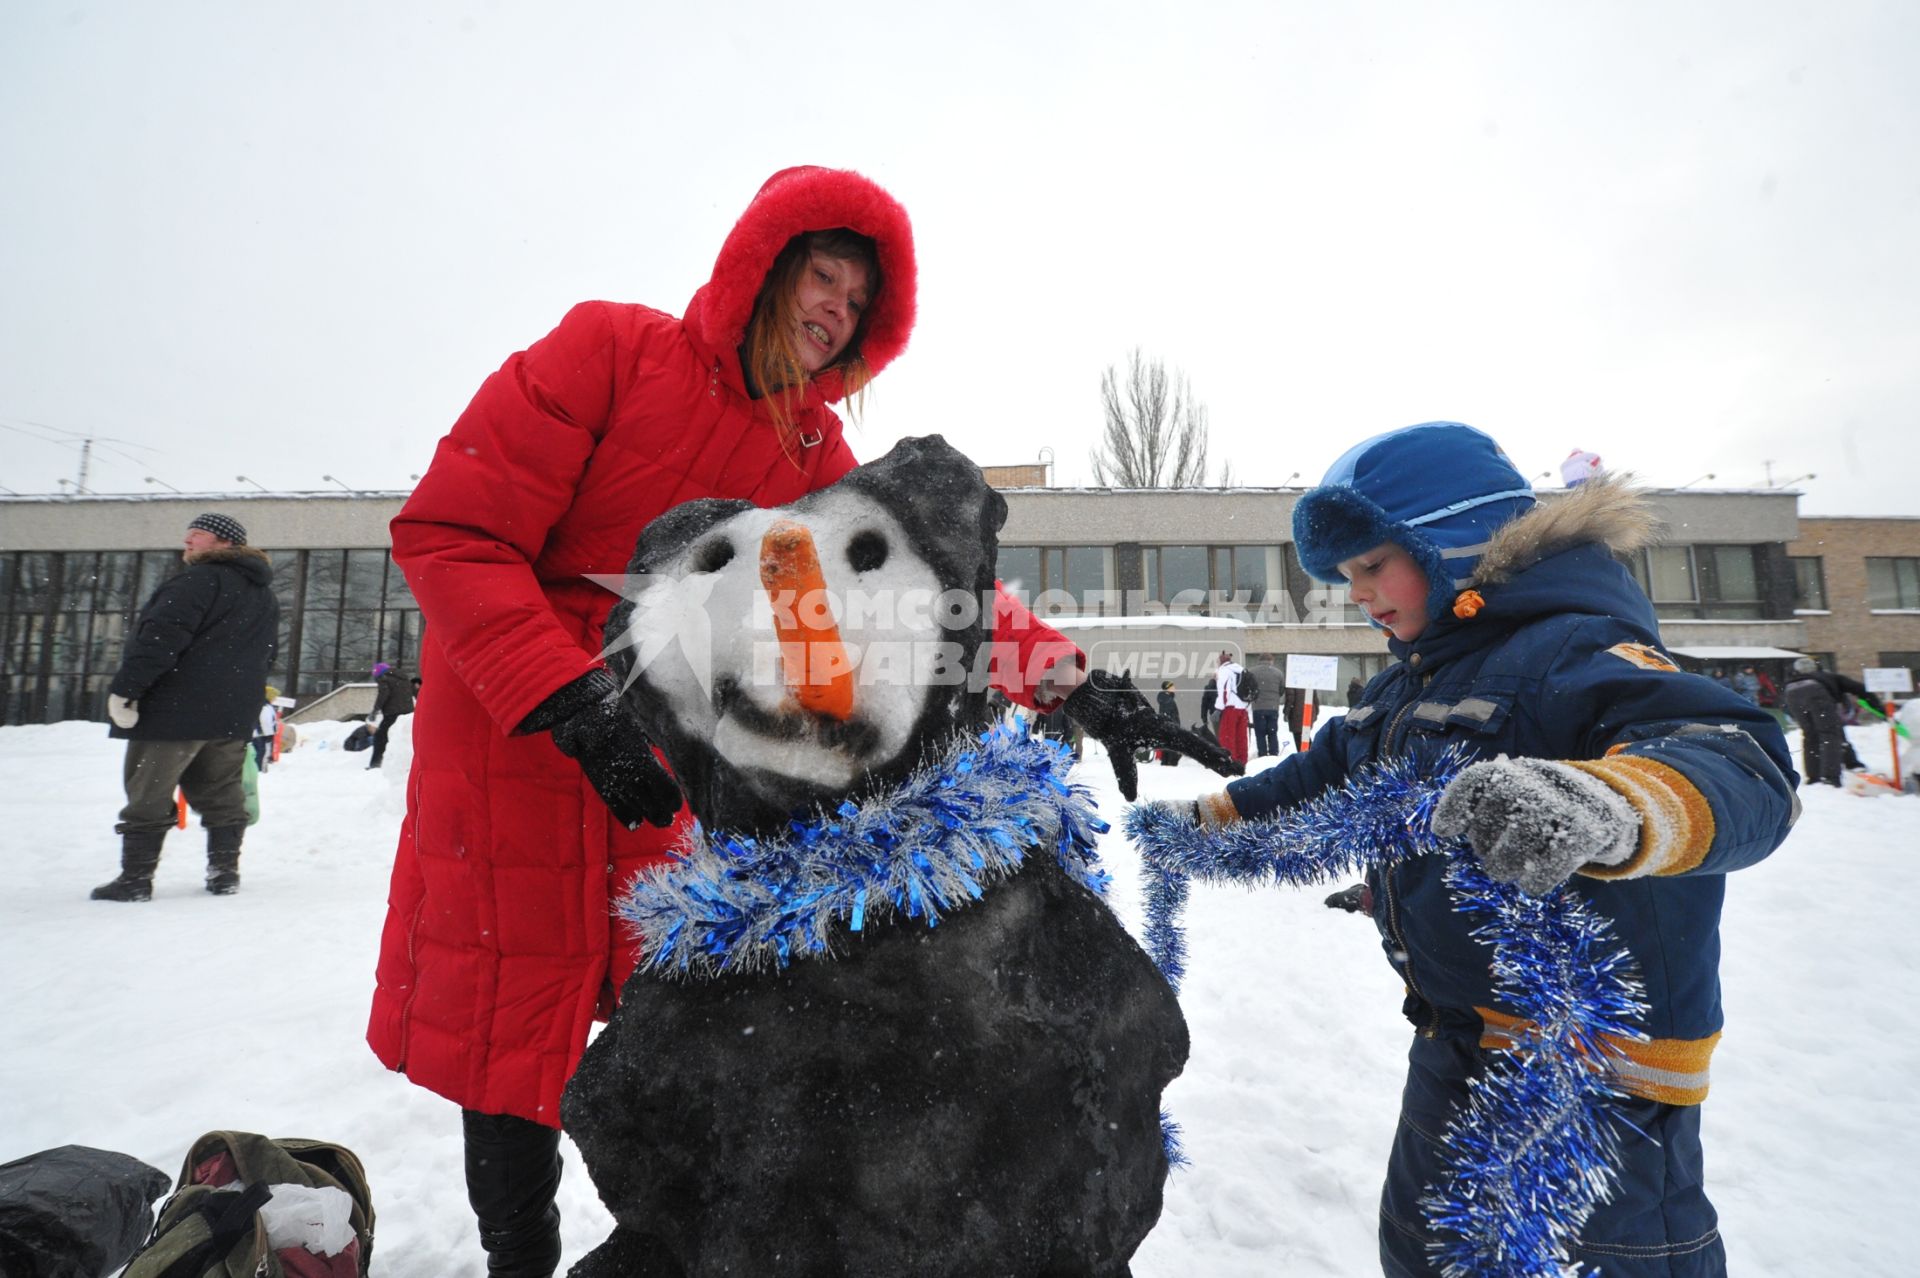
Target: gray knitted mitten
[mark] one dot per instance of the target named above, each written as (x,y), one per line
(1533,822)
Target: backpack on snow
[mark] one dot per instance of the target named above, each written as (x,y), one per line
(249,1206)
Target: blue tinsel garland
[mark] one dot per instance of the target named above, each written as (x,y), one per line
(1534,1150)
(923,848)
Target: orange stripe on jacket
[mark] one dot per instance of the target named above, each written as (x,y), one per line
(1217,809)
(1673,1071)
(1676,821)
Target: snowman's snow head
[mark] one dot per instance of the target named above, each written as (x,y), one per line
(788,658)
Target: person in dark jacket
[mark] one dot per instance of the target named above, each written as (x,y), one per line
(392,697)
(1607,770)
(187,699)
(1168,703)
(1815,698)
(1270,689)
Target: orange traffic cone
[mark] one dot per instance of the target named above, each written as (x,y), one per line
(180,809)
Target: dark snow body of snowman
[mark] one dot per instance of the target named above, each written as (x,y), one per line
(982,1097)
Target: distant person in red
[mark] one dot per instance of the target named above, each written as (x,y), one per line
(1232,706)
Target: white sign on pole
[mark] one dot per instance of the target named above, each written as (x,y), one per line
(1877,678)
(1312,672)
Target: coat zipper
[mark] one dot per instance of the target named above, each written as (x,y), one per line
(1432,1027)
(413,931)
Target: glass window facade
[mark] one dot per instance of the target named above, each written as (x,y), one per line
(1073,579)
(1714,582)
(1668,578)
(1213,578)
(1809,582)
(1893,582)
(1729,582)
(65,617)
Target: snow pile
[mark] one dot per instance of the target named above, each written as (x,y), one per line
(139,1027)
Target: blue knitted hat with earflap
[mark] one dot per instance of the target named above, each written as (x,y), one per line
(1438,490)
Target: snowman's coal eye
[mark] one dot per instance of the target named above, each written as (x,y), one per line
(713,556)
(867,551)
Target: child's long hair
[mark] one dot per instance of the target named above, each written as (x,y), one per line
(772,357)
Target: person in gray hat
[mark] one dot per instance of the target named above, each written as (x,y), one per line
(185,700)
(1815,699)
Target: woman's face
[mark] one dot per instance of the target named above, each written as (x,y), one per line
(1391,587)
(827,305)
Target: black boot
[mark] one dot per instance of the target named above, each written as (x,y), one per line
(223,859)
(139,857)
(513,1173)
(532,1251)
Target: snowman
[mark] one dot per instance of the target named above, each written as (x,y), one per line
(885,1023)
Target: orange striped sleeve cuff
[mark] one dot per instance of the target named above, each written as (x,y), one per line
(1676,821)
(1673,1071)
(1217,810)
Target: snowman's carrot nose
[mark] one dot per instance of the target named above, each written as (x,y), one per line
(812,657)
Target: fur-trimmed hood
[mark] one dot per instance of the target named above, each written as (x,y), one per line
(1557,558)
(1606,510)
(792,201)
(250,560)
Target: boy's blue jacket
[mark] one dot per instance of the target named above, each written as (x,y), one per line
(1563,662)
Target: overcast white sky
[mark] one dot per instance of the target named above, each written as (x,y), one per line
(289,239)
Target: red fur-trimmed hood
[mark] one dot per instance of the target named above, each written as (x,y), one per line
(809,198)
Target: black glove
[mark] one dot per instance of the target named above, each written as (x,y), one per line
(592,725)
(1357,899)
(1113,712)
(1533,822)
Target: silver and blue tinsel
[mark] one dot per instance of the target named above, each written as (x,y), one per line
(1535,1149)
(934,843)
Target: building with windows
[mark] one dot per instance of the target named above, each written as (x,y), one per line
(1857,588)
(1159,581)
(1156,582)
(75,570)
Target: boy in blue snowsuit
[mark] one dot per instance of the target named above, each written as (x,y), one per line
(1607,768)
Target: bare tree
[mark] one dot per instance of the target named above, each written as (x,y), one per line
(1156,433)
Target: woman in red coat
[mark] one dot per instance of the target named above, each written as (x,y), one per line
(529,778)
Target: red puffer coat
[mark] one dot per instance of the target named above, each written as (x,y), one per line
(499,949)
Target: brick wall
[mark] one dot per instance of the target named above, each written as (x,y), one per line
(1027,476)
(1853,633)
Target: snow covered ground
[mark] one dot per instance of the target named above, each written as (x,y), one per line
(136,1028)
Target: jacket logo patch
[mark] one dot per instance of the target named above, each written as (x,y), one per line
(1645,656)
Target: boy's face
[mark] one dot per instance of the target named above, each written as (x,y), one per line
(1391,587)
